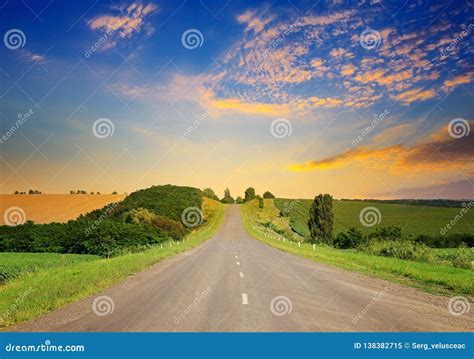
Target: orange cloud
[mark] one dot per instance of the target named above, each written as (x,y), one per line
(458,80)
(438,152)
(417,94)
(124,25)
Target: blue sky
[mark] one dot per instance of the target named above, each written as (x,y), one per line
(356,98)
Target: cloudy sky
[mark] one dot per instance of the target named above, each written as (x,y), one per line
(354,98)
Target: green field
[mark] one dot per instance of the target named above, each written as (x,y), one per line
(414,220)
(14,265)
(30,296)
(438,278)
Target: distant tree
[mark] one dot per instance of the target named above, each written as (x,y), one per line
(249,194)
(92,192)
(209,193)
(31,191)
(227,197)
(114,192)
(98,193)
(239,200)
(268,194)
(321,219)
(16,192)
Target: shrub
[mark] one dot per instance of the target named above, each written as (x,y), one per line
(260,202)
(350,239)
(209,193)
(268,194)
(462,258)
(402,249)
(387,233)
(239,200)
(321,219)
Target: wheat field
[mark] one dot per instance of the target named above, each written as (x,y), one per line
(46,208)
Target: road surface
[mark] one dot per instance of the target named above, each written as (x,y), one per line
(236,283)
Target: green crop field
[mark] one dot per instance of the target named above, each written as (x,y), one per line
(13,265)
(412,219)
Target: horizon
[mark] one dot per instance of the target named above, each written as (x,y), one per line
(363,101)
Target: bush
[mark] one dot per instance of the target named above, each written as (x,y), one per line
(350,239)
(239,200)
(268,194)
(462,258)
(387,233)
(452,240)
(402,249)
(260,202)
(146,218)
(209,193)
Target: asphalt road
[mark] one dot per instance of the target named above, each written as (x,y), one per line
(236,283)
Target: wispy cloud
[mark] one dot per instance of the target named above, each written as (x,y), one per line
(129,21)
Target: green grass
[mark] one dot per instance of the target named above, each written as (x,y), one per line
(412,219)
(37,293)
(14,265)
(436,278)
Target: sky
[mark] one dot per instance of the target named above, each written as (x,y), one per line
(359,99)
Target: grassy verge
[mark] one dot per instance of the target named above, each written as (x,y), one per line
(14,265)
(38,293)
(435,278)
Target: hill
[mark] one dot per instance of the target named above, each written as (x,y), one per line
(413,219)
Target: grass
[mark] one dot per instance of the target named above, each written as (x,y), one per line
(412,219)
(14,265)
(435,278)
(35,294)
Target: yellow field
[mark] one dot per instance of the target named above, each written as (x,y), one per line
(45,208)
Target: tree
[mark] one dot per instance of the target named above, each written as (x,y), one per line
(249,194)
(227,197)
(114,192)
(209,193)
(268,194)
(239,200)
(260,202)
(321,219)
(16,192)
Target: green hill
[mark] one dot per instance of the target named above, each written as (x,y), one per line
(413,219)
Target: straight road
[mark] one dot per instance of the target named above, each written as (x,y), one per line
(236,283)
